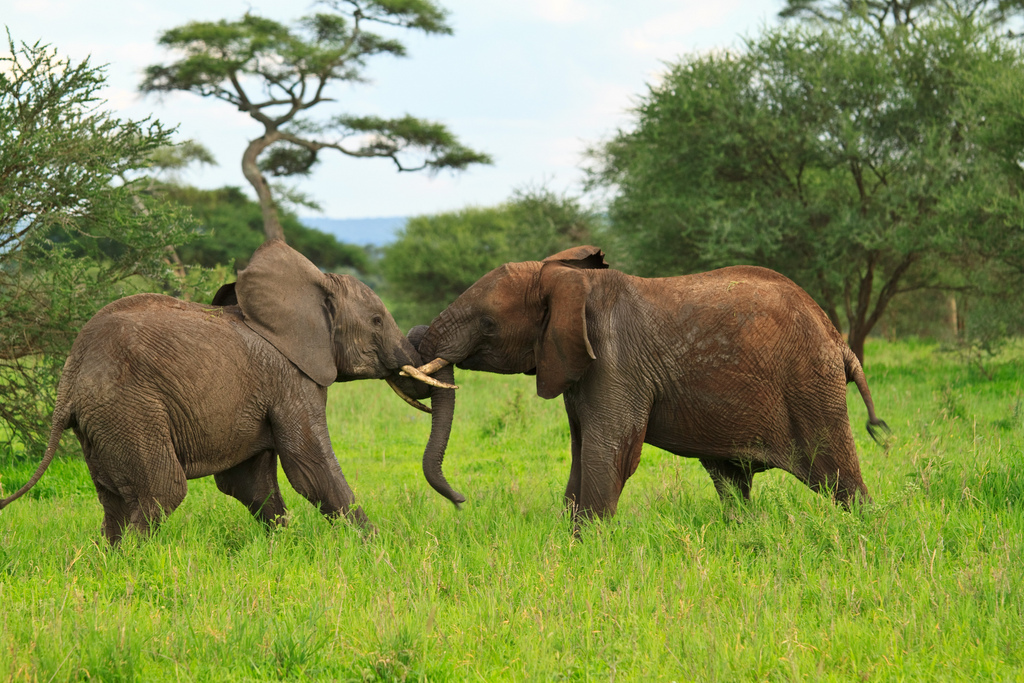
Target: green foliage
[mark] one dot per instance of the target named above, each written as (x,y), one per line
(231,228)
(295,68)
(173,158)
(991,315)
(389,137)
(80,224)
(435,258)
(925,584)
(886,15)
(860,165)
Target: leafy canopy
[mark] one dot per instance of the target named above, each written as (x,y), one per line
(230,229)
(887,15)
(859,164)
(79,223)
(278,74)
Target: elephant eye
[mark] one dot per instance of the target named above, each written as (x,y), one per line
(378,321)
(488,326)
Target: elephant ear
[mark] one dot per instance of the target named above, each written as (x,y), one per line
(225,296)
(285,300)
(580,257)
(563,350)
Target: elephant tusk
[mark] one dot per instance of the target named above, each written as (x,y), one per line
(411,401)
(410,371)
(433,366)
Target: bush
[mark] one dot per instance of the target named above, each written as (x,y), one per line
(231,228)
(80,224)
(437,257)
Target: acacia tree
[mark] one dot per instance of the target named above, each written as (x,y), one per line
(79,223)
(860,164)
(277,74)
(887,15)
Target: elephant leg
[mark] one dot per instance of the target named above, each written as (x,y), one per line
(572,489)
(609,454)
(730,476)
(149,511)
(116,514)
(304,446)
(138,483)
(312,469)
(824,458)
(254,483)
(320,481)
(833,467)
(159,493)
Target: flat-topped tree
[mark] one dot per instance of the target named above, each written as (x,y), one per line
(885,16)
(277,74)
(863,165)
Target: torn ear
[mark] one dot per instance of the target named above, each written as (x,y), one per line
(563,350)
(580,257)
(285,301)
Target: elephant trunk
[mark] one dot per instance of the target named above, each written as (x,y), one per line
(442,403)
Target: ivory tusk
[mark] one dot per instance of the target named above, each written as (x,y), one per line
(433,366)
(410,371)
(411,401)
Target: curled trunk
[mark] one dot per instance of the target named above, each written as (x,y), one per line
(442,403)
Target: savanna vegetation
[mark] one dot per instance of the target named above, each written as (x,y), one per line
(435,258)
(282,76)
(231,229)
(81,223)
(872,151)
(865,164)
(925,584)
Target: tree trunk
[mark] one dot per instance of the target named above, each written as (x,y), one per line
(954,318)
(271,223)
(861,318)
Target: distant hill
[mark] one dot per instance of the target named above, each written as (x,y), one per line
(362,231)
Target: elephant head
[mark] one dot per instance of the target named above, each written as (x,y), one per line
(527,317)
(332,327)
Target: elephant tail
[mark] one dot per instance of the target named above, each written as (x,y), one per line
(61,420)
(855,373)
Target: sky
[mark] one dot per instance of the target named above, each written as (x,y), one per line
(533,83)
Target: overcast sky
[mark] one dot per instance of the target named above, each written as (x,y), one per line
(531,82)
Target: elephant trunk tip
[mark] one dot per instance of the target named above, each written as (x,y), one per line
(443,407)
(441,485)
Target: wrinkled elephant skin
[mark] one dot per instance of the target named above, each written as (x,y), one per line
(738,367)
(159,391)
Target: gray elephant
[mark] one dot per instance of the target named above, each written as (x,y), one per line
(738,367)
(159,391)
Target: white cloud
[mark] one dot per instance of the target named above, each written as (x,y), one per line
(532,83)
(697,27)
(560,11)
(42,8)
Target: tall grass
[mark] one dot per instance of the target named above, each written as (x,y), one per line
(925,584)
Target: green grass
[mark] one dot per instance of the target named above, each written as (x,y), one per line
(923,585)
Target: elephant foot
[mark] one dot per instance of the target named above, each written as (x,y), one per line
(272,523)
(734,511)
(369,532)
(355,515)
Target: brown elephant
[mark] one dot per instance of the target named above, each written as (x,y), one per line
(738,367)
(159,391)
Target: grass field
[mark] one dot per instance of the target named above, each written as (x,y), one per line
(925,584)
